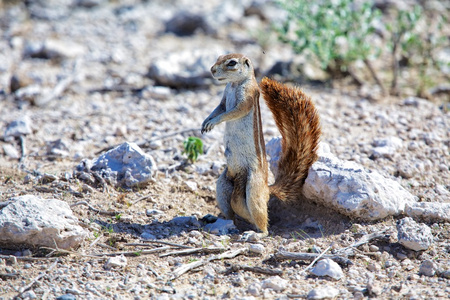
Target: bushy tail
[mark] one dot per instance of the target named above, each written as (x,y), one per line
(298,122)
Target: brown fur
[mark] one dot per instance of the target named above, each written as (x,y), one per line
(299,124)
(242,188)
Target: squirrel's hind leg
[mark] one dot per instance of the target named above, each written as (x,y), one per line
(224,190)
(257,199)
(238,201)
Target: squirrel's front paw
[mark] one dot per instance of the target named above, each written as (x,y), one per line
(208,125)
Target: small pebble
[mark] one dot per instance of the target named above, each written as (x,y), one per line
(257,248)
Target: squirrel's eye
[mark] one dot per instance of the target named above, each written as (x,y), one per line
(231,63)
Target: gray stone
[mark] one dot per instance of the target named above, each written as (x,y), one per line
(32,221)
(254,289)
(148,236)
(29,295)
(185,221)
(220,226)
(273,150)
(154,212)
(116,261)
(275,283)
(217,167)
(54,48)
(19,127)
(191,186)
(58,147)
(184,68)
(126,165)
(326,292)
(428,268)
(67,296)
(11,151)
(353,191)
(406,169)
(414,236)
(30,93)
(257,248)
(185,23)
(386,147)
(327,267)
(429,211)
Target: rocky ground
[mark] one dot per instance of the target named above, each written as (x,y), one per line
(81,77)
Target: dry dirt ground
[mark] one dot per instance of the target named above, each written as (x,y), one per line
(90,117)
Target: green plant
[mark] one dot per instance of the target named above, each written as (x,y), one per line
(193,147)
(336,32)
(417,44)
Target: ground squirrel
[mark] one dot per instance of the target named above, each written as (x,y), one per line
(243,186)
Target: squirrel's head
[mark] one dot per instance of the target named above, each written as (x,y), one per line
(232,68)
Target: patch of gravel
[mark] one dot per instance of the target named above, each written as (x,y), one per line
(74,76)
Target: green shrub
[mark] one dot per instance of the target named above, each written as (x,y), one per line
(336,32)
(193,147)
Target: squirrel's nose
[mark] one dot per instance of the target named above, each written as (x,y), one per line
(213,69)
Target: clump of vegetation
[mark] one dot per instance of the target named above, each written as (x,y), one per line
(336,33)
(193,147)
(339,33)
(415,40)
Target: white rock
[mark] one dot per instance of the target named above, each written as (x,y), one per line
(29,220)
(275,283)
(326,292)
(386,147)
(221,226)
(273,150)
(126,165)
(191,186)
(58,147)
(413,235)
(429,211)
(29,295)
(257,248)
(254,289)
(54,48)
(217,167)
(11,151)
(154,212)
(348,188)
(327,267)
(19,127)
(116,261)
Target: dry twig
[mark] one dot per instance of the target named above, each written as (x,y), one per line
(363,240)
(190,266)
(316,259)
(134,253)
(280,255)
(271,272)
(28,258)
(144,198)
(101,212)
(44,189)
(145,243)
(193,250)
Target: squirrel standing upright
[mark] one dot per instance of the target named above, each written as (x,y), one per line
(243,186)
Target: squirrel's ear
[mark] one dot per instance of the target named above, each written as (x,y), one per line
(247,62)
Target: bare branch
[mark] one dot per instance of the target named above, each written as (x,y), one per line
(190,266)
